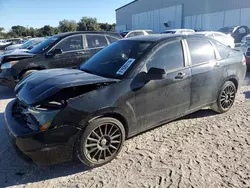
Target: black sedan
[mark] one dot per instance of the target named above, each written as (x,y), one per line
(129,87)
(65,50)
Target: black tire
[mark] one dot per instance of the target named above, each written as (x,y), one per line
(100,142)
(226,97)
(27,73)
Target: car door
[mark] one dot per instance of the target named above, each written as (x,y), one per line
(72,52)
(169,97)
(204,69)
(94,43)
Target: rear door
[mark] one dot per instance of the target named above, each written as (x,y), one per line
(94,43)
(205,71)
(72,52)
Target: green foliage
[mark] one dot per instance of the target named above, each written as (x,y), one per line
(85,24)
(88,24)
(67,25)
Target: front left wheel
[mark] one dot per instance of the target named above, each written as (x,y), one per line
(101,141)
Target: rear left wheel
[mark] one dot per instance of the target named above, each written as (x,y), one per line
(101,141)
(225,98)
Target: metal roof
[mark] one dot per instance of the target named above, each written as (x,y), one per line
(126,5)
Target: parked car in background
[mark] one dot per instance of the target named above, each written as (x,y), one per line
(178,31)
(227,40)
(23,49)
(28,45)
(202,30)
(9,42)
(3,44)
(136,33)
(245,47)
(237,32)
(62,50)
(129,87)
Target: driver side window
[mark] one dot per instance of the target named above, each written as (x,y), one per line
(71,44)
(168,57)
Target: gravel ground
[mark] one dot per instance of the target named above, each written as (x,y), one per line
(200,150)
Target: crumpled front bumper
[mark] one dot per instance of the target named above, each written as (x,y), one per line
(44,148)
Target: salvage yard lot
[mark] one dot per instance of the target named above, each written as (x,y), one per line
(200,150)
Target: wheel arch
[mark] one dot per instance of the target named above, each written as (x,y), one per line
(110,112)
(115,115)
(30,68)
(235,81)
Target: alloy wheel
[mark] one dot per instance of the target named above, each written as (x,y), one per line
(227,97)
(103,143)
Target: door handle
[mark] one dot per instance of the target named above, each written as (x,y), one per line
(80,53)
(180,75)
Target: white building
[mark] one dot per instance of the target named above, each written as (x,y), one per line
(193,14)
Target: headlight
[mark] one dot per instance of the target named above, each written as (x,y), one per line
(8,65)
(43,117)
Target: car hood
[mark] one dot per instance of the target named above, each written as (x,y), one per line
(14,56)
(43,84)
(15,51)
(12,47)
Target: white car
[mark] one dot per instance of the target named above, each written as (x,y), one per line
(227,40)
(178,31)
(134,33)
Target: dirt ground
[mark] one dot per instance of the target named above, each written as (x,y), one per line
(201,150)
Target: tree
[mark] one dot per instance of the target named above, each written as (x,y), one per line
(88,24)
(19,30)
(107,27)
(46,30)
(67,25)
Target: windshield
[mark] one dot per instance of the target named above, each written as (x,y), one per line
(115,60)
(27,44)
(226,29)
(43,45)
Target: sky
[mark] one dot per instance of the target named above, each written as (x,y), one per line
(37,13)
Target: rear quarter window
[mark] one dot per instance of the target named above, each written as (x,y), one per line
(201,51)
(111,39)
(223,50)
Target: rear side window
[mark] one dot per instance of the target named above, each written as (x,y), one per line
(96,41)
(71,43)
(223,51)
(201,51)
(168,57)
(111,39)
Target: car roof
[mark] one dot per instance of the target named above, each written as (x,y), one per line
(62,35)
(159,37)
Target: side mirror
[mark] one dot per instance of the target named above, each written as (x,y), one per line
(57,51)
(30,47)
(54,52)
(155,73)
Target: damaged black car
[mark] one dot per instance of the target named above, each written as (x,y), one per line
(65,50)
(129,87)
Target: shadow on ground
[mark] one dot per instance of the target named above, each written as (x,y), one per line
(200,114)
(15,171)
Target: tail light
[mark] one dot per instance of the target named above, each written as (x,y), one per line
(244,60)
